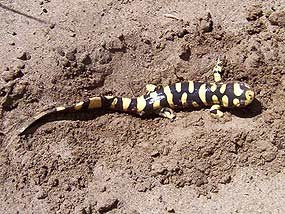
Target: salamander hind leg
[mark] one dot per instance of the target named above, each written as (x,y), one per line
(216,112)
(217,71)
(150,88)
(167,113)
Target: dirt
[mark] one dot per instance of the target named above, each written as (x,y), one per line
(58,52)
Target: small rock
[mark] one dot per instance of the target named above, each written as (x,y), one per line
(115,45)
(155,154)
(255,28)
(226,179)
(9,75)
(19,66)
(268,150)
(65,63)
(182,33)
(67,187)
(121,37)
(60,51)
(14,33)
(269,155)
(184,52)
(70,55)
(170,37)
(103,56)
(158,169)
(254,12)
(206,24)
(41,194)
(140,187)
(103,189)
(170,210)
(85,59)
(54,183)
(277,18)
(107,205)
(52,25)
(11,43)
(81,210)
(23,55)
(253,60)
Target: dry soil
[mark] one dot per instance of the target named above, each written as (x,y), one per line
(56,52)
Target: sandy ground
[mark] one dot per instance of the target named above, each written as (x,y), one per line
(58,52)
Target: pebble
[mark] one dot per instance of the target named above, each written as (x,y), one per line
(11,74)
(23,55)
(206,24)
(105,206)
(19,66)
(41,194)
(184,52)
(226,179)
(155,154)
(268,150)
(60,51)
(115,45)
(182,33)
(85,59)
(70,55)
(277,18)
(103,56)
(11,43)
(253,60)
(254,13)
(170,210)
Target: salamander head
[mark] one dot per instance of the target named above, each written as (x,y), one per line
(244,94)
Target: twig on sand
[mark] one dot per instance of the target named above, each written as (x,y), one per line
(167,15)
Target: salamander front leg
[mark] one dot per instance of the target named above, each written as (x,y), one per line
(216,112)
(217,71)
(167,113)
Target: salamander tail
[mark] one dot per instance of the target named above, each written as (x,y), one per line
(91,103)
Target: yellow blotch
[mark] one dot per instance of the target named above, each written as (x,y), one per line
(213,87)
(225,101)
(215,99)
(95,102)
(114,103)
(141,103)
(223,88)
(202,93)
(237,90)
(178,87)
(195,104)
(126,103)
(156,105)
(217,77)
(150,87)
(60,108)
(236,102)
(169,96)
(78,106)
(184,99)
(191,87)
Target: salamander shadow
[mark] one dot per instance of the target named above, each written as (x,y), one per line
(252,110)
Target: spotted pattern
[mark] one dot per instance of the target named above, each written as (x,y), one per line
(180,95)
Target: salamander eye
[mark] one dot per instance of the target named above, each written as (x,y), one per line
(249,95)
